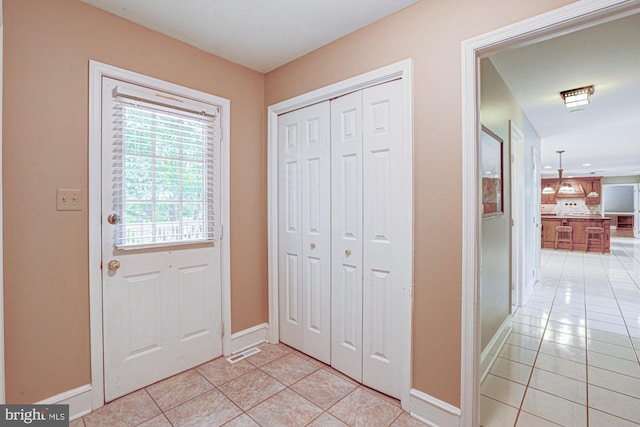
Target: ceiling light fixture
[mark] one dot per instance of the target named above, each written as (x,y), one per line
(575,97)
(592,194)
(563,187)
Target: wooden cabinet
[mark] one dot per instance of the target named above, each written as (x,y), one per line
(549,198)
(579,225)
(581,185)
(625,221)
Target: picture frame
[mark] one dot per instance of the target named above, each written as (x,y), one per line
(492,170)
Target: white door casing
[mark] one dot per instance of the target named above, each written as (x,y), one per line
(636,204)
(162,307)
(346,230)
(536,211)
(305,239)
(520,291)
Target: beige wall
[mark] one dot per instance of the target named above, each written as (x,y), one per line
(430,32)
(47,46)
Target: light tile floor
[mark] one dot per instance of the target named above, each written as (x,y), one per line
(572,358)
(277,387)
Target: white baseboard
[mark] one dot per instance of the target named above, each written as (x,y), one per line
(490,353)
(432,411)
(79,401)
(249,338)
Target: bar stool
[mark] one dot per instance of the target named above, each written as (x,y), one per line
(595,234)
(564,234)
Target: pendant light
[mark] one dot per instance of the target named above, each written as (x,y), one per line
(563,187)
(548,189)
(592,194)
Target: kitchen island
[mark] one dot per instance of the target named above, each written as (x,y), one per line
(579,224)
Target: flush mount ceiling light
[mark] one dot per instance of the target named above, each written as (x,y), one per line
(575,97)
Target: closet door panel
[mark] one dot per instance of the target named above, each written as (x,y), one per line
(346,216)
(383,234)
(316,227)
(290,229)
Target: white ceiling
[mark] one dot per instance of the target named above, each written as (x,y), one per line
(259,34)
(606,134)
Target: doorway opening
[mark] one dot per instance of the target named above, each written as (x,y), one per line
(562,21)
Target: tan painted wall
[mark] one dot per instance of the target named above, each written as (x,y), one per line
(430,32)
(47,46)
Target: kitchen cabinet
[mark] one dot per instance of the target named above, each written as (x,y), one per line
(625,221)
(549,198)
(579,224)
(581,186)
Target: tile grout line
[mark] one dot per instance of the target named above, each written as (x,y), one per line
(586,340)
(539,344)
(615,296)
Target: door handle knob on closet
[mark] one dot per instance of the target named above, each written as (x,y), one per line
(312,246)
(347,252)
(113,265)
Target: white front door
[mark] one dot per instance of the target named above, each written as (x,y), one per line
(305,237)
(160,253)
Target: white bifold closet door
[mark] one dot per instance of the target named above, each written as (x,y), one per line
(304,230)
(368,234)
(343,258)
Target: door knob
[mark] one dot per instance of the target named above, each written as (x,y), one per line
(347,252)
(312,246)
(113,265)
(112,218)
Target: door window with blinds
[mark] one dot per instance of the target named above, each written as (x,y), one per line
(164,151)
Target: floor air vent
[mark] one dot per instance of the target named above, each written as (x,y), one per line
(241,356)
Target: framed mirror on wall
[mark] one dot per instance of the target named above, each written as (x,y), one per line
(492,173)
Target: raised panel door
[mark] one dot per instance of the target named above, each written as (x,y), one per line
(346,244)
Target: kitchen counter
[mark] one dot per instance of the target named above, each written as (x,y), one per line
(579,224)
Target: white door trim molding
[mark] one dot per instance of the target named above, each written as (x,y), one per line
(96,71)
(2,370)
(518,241)
(563,20)
(400,70)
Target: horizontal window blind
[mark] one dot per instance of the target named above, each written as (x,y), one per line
(163,173)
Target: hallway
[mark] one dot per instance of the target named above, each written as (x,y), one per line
(572,358)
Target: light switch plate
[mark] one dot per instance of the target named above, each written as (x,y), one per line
(68,199)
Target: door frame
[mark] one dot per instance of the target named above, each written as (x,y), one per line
(636,207)
(98,70)
(400,70)
(518,241)
(564,20)
(2,367)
